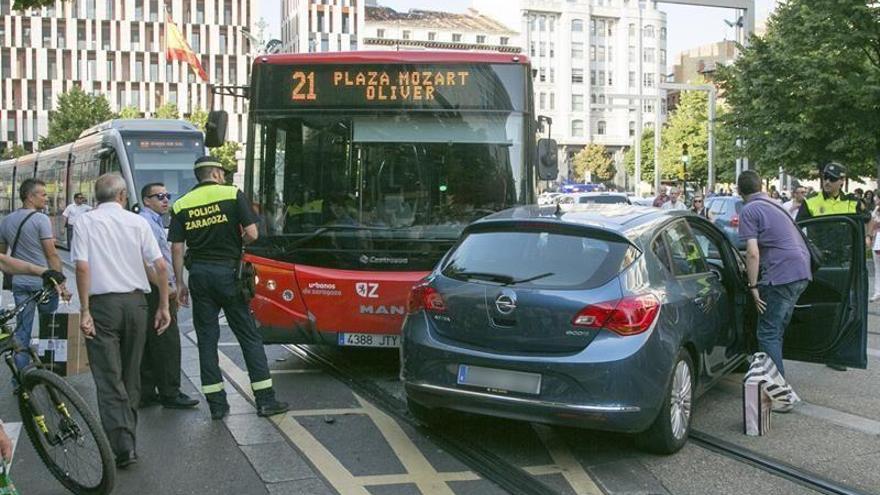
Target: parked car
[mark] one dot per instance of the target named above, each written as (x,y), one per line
(548,198)
(649,201)
(724,212)
(613,318)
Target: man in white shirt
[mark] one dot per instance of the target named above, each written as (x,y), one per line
(73,210)
(675,202)
(111,248)
(797,199)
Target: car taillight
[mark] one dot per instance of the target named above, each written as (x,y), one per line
(628,316)
(734,221)
(425,297)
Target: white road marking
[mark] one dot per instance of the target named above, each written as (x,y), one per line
(572,469)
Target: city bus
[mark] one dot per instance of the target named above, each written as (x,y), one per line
(364,167)
(142,150)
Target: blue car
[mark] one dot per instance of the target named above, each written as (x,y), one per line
(613,317)
(724,212)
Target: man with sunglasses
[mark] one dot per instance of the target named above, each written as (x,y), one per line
(831,201)
(160,365)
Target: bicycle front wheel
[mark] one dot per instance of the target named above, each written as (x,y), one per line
(66,434)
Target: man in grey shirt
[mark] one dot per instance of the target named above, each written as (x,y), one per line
(36,244)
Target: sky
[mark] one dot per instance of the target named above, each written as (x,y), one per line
(688,27)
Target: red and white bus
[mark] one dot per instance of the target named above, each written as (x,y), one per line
(364,167)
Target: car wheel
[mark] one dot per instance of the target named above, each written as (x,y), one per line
(669,432)
(427,416)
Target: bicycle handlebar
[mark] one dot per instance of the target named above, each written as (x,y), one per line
(39,296)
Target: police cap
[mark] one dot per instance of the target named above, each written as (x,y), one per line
(207,161)
(834,170)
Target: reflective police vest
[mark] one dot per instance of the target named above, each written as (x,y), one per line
(820,205)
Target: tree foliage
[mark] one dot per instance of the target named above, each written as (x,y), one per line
(594,158)
(129,112)
(76,111)
(14,151)
(808,91)
(31,4)
(629,159)
(167,111)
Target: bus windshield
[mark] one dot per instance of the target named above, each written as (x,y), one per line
(165,158)
(405,177)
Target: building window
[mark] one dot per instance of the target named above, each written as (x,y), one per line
(169,72)
(610,78)
(552,75)
(577,50)
(592,53)
(505,40)
(111,8)
(136,37)
(600,128)
(542,23)
(138,11)
(154,69)
(222,42)
(649,79)
(552,50)
(632,128)
(648,56)
(552,100)
(577,26)
(592,78)
(577,128)
(632,79)
(406,34)
(632,30)
(577,76)
(663,33)
(577,103)
(663,57)
(456,38)
(432,36)
(631,54)
(47,95)
(481,39)
(551,23)
(542,48)
(592,27)
(542,74)
(542,101)
(600,28)
(649,31)
(200,11)
(111,69)
(532,48)
(380,33)
(195,42)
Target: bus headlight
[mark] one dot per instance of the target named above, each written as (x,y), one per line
(270,284)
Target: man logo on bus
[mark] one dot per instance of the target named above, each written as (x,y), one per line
(369,290)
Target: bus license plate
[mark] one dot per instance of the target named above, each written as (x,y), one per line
(495,379)
(368,340)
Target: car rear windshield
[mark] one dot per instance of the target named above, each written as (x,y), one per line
(539,259)
(602,200)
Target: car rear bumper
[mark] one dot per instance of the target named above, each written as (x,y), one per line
(614,384)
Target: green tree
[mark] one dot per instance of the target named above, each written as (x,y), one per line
(594,158)
(76,111)
(167,111)
(14,151)
(808,91)
(629,159)
(129,112)
(29,4)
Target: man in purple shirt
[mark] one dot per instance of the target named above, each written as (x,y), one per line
(160,366)
(777,251)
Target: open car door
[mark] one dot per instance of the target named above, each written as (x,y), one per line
(830,321)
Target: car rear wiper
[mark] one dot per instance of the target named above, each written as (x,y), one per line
(502,279)
(331,228)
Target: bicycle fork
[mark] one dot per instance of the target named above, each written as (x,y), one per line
(68,428)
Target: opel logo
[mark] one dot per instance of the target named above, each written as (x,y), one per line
(505,304)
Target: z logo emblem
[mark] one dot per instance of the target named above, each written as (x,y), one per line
(369,290)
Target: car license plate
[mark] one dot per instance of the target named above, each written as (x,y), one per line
(511,381)
(368,340)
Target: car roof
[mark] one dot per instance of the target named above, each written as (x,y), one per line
(597,193)
(621,218)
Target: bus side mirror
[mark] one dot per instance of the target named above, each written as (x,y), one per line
(548,165)
(215,128)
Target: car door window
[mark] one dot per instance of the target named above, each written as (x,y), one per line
(716,208)
(662,253)
(709,246)
(684,251)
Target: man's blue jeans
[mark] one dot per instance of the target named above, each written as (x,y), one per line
(25,321)
(780,300)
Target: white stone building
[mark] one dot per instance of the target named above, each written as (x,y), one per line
(589,69)
(386,29)
(117,48)
(310,26)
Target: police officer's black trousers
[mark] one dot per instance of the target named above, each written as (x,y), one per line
(212,288)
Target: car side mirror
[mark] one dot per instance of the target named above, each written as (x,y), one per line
(215,128)
(547,162)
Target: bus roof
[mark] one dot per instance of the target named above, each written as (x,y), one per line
(141,125)
(392,57)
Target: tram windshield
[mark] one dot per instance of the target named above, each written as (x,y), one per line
(164,158)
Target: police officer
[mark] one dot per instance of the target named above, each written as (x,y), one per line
(831,201)
(214,220)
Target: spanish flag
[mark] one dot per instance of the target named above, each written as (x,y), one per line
(176,48)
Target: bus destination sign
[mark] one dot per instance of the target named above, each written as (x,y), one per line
(471,86)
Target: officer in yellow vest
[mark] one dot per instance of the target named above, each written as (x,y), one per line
(213,220)
(831,201)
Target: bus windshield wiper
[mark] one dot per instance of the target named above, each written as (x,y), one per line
(331,228)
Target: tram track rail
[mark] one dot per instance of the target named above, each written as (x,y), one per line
(516,480)
(482,461)
(775,467)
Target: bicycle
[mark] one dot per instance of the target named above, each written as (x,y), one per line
(63,430)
